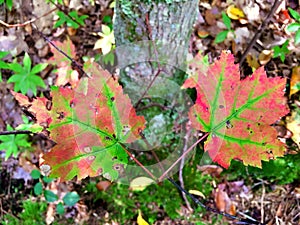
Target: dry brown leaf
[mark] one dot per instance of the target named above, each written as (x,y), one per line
(293,124)
(103,185)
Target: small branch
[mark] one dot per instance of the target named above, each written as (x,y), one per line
(183,155)
(27,22)
(241,221)
(15,132)
(138,162)
(186,138)
(259,31)
(60,51)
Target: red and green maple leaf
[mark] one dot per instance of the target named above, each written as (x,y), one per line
(237,113)
(65,73)
(89,125)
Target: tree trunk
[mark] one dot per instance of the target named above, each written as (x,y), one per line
(166,22)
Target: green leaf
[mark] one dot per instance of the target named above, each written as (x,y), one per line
(35,174)
(297,37)
(60,208)
(221,36)
(38,68)
(226,20)
(12,144)
(294,14)
(71,198)
(27,62)
(293,27)
(38,188)
(9,4)
(50,196)
(48,179)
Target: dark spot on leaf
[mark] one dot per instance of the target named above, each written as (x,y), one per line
(264,143)
(48,105)
(72,104)
(258,124)
(228,124)
(99,171)
(118,167)
(114,158)
(107,138)
(221,106)
(61,115)
(112,99)
(251,131)
(114,136)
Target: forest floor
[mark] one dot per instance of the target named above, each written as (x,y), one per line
(271,195)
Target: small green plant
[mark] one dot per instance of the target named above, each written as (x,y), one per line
(223,34)
(295,27)
(8,3)
(13,144)
(70,199)
(33,213)
(25,78)
(3,65)
(281,51)
(72,20)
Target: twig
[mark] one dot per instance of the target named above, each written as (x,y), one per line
(259,31)
(62,52)
(262,202)
(186,138)
(27,22)
(15,132)
(241,221)
(183,155)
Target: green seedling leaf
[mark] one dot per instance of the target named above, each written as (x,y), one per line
(60,208)
(281,51)
(293,27)
(38,188)
(12,144)
(71,198)
(221,36)
(295,14)
(35,174)
(237,113)
(226,20)
(90,126)
(297,37)
(3,65)
(48,179)
(50,196)
(25,78)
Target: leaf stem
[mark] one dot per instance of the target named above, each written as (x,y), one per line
(183,155)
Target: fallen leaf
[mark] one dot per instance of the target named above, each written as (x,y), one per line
(295,78)
(234,12)
(140,183)
(293,124)
(140,219)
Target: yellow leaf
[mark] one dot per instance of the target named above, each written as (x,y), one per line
(107,41)
(196,192)
(235,13)
(140,183)
(140,219)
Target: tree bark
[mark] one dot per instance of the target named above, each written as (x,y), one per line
(168,23)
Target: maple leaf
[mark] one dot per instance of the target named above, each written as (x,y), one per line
(65,73)
(237,114)
(89,125)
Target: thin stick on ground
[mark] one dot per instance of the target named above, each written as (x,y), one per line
(27,22)
(185,148)
(259,31)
